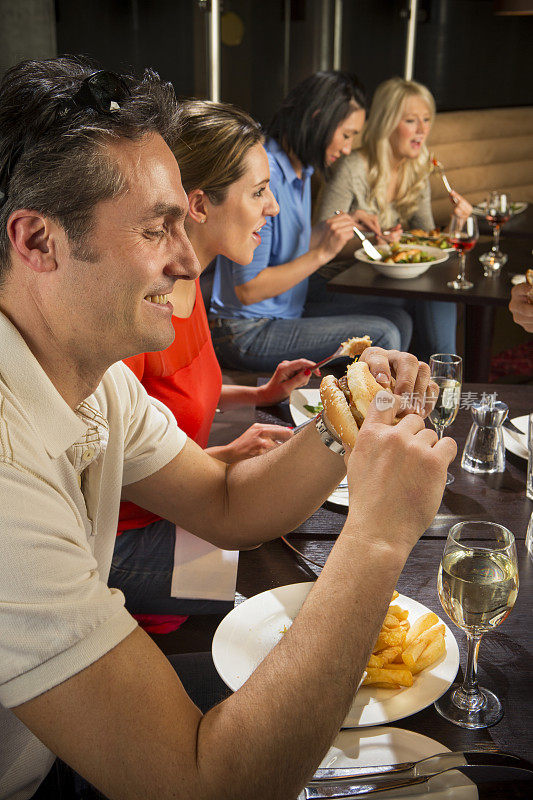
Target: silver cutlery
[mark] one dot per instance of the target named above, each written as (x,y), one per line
(369,248)
(303,425)
(371,780)
(425,766)
(440,169)
(338,352)
(512,427)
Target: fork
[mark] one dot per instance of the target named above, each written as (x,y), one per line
(440,169)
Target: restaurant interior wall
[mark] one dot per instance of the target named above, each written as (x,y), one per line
(467,55)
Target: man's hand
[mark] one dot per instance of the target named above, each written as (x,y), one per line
(397,497)
(520,307)
(411,376)
(289,375)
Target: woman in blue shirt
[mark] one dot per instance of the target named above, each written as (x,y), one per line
(258,311)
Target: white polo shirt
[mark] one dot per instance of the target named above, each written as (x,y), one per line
(61,475)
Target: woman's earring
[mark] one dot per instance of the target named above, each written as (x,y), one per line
(203,220)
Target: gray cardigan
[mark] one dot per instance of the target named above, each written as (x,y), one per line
(348,190)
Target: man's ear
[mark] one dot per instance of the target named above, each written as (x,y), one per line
(198,205)
(33,239)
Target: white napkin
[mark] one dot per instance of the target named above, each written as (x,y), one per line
(201,570)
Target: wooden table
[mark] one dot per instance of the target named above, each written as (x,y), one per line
(479,303)
(506,656)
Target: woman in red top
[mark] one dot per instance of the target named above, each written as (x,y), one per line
(186,376)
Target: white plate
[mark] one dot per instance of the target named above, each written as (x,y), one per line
(300,398)
(404,271)
(373,747)
(513,444)
(250,631)
(480,208)
(311,397)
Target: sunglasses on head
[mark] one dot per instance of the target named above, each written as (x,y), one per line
(101,91)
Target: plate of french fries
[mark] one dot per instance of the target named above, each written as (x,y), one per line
(414,660)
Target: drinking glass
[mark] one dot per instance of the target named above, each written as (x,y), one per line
(497,213)
(478,587)
(529,474)
(463,235)
(447,372)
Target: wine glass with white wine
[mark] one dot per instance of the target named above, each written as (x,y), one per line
(447,372)
(478,587)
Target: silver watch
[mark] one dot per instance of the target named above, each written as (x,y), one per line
(327,436)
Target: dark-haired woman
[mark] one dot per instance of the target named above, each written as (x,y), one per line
(260,313)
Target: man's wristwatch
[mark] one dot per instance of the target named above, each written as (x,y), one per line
(329,438)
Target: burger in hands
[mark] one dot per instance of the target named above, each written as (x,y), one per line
(346,401)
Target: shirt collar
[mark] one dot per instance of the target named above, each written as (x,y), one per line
(284,162)
(56,423)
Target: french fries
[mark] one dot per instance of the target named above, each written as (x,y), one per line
(403,650)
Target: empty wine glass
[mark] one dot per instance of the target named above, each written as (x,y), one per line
(478,587)
(447,372)
(497,213)
(463,235)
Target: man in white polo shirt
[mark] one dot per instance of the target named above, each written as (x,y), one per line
(91,238)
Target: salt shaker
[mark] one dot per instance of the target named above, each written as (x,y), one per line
(485,449)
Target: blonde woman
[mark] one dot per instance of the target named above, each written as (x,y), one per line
(389,177)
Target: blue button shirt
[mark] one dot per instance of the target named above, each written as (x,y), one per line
(283,239)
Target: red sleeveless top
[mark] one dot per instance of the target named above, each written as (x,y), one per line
(186,377)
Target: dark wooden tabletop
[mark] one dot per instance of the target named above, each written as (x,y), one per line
(360,278)
(506,656)
(516,241)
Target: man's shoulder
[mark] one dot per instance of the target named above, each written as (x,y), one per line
(118,391)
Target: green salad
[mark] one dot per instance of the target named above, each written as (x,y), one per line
(402,255)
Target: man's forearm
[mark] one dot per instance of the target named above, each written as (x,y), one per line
(272,494)
(289,710)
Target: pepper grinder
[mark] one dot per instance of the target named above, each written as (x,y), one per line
(484,450)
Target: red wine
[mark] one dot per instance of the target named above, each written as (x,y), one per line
(497,218)
(463,243)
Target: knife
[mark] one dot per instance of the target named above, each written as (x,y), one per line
(479,774)
(515,433)
(426,766)
(512,427)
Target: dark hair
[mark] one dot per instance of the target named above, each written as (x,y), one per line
(61,168)
(311,112)
(211,146)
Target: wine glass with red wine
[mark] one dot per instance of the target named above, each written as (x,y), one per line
(497,213)
(463,235)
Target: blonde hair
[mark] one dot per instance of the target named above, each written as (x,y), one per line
(386,111)
(211,145)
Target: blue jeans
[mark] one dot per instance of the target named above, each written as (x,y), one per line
(142,565)
(260,344)
(433,323)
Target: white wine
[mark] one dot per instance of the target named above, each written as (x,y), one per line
(477,589)
(448,401)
